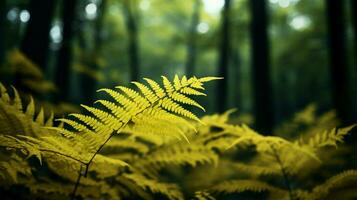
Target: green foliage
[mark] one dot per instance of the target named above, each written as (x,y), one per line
(329,189)
(67,149)
(30,75)
(146,144)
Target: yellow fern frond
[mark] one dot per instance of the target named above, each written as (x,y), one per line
(170,190)
(327,137)
(339,181)
(176,154)
(238,186)
(141,108)
(203,195)
(153,109)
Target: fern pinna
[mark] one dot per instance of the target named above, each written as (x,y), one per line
(153,108)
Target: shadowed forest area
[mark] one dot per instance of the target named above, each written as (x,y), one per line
(283,96)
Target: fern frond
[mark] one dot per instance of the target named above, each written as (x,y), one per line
(16,100)
(264,144)
(169,190)
(16,121)
(132,106)
(238,186)
(257,170)
(84,135)
(48,189)
(339,181)
(4,95)
(147,93)
(203,195)
(327,137)
(10,169)
(176,154)
(117,145)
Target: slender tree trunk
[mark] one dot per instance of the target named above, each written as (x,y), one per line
(224,58)
(192,40)
(133,45)
(354,25)
(262,94)
(89,83)
(65,52)
(337,55)
(237,75)
(98,36)
(36,40)
(2,30)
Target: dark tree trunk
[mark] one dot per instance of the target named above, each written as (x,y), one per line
(237,75)
(224,58)
(133,44)
(65,52)
(2,30)
(89,83)
(192,40)
(337,55)
(354,26)
(36,40)
(262,89)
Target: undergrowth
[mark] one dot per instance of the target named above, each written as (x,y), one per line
(145,143)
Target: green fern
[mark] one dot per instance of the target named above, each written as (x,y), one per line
(203,195)
(327,137)
(339,181)
(150,121)
(238,186)
(64,148)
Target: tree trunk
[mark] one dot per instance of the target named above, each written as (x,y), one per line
(262,89)
(89,83)
(36,40)
(133,45)
(337,58)
(224,55)
(65,53)
(354,26)
(192,38)
(237,75)
(2,31)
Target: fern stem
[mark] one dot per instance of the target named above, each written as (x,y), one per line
(100,148)
(73,195)
(284,173)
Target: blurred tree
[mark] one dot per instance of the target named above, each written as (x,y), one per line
(89,80)
(36,40)
(192,39)
(262,90)
(130,15)
(239,72)
(65,53)
(224,54)
(338,63)
(354,25)
(236,77)
(299,57)
(2,30)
